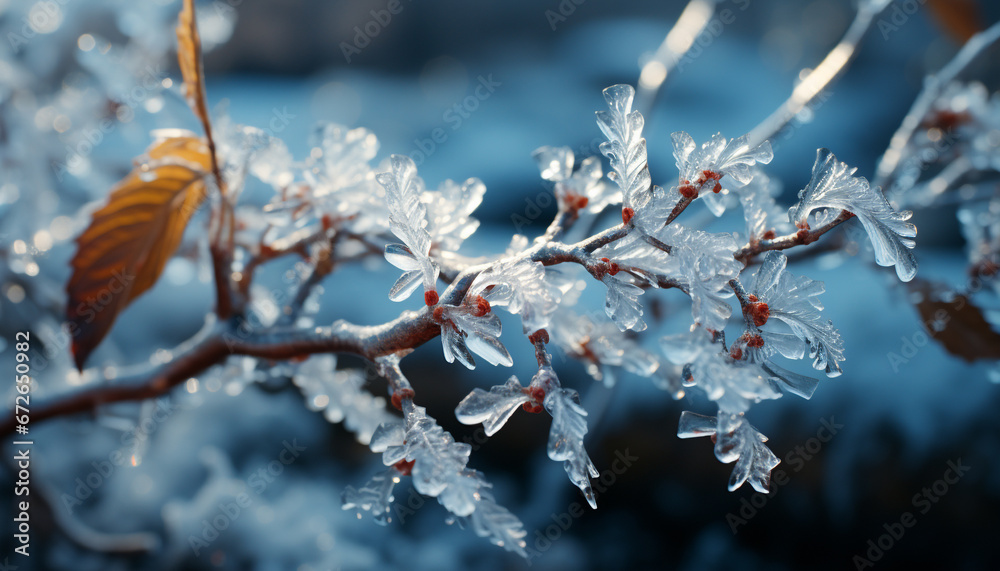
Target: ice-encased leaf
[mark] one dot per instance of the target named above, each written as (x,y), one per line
(440,470)
(496,523)
(732,159)
(834,187)
(404,192)
(735,441)
(601,345)
(791,382)
(692,425)
(339,394)
(761,212)
(341,181)
(437,458)
(492,408)
(794,300)
(461,495)
(625,147)
(554,163)
(374,498)
(449,212)
(734,386)
(520,286)
(387,434)
(462,332)
(569,426)
(405,285)
(702,263)
(622,303)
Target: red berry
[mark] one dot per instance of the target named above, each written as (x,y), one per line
(327,222)
(769,235)
(532,408)
(431,297)
(736,352)
(404,467)
(760,312)
(482,306)
(537,393)
(688,191)
(627,214)
(439,313)
(755,341)
(539,336)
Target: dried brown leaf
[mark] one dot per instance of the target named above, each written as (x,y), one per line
(124,250)
(954,322)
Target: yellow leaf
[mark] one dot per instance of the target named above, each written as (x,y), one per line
(124,250)
(189,58)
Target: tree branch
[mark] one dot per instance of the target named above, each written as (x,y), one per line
(800,238)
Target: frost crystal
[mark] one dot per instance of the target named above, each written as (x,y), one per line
(556,165)
(733,386)
(622,303)
(407,214)
(569,426)
(374,498)
(625,147)
(795,301)
(492,408)
(834,188)
(760,210)
(736,440)
(340,396)
(700,263)
(601,345)
(702,168)
(496,523)
(440,470)
(464,332)
(521,287)
(449,210)
(340,182)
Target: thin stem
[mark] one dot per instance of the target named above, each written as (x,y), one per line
(934,86)
(679,40)
(819,79)
(802,237)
